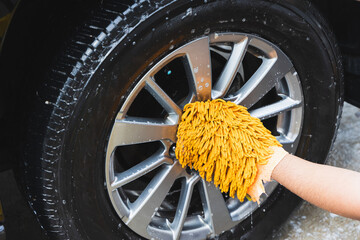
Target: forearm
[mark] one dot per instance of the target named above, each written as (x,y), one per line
(333,189)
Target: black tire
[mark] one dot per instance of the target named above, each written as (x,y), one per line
(70,127)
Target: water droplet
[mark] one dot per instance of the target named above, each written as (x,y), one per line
(133,43)
(171,47)
(307,39)
(64,202)
(192,30)
(200,87)
(251,221)
(196,70)
(189,11)
(202,80)
(243,20)
(206,84)
(207,31)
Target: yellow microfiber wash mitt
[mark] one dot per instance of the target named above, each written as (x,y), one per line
(226,145)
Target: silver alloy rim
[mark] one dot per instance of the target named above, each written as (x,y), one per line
(219,214)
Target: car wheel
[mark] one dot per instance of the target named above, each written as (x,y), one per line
(100,163)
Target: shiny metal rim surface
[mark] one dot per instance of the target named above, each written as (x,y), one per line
(143,215)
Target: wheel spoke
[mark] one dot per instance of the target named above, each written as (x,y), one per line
(271,110)
(231,68)
(139,130)
(183,206)
(140,169)
(217,214)
(198,56)
(287,143)
(168,104)
(142,210)
(263,80)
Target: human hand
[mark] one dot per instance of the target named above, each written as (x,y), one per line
(264,173)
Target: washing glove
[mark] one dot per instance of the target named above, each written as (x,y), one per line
(227,146)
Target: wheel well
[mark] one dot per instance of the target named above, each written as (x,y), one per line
(344,19)
(35,35)
(343,16)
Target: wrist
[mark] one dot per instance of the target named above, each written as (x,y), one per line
(278,155)
(265,173)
